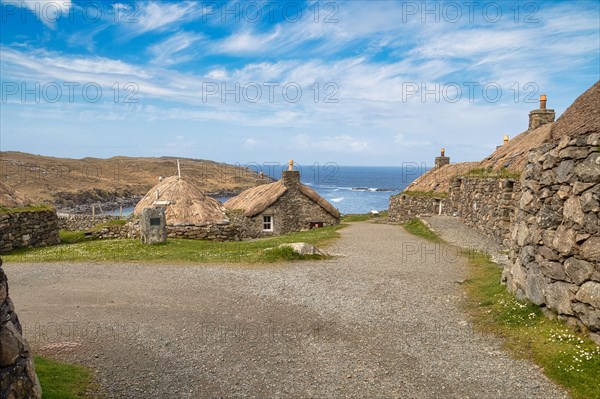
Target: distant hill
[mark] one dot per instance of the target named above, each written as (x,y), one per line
(68,182)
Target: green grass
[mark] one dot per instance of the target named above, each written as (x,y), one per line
(417,227)
(71,237)
(503,173)
(31,208)
(570,359)
(63,381)
(77,248)
(428,194)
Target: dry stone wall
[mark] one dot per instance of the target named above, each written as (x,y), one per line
(488,204)
(209,232)
(555,238)
(82,222)
(404,207)
(17,371)
(28,229)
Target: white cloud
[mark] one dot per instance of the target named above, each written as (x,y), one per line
(251,143)
(173,49)
(160,16)
(406,142)
(48,11)
(341,143)
(247,42)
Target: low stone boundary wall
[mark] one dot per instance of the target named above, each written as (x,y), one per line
(555,240)
(28,229)
(82,222)
(211,232)
(404,207)
(488,204)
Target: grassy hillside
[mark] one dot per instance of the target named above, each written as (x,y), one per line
(63,180)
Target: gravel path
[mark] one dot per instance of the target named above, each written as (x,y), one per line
(381,321)
(453,231)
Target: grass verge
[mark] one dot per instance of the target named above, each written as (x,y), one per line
(570,359)
(363,217)
(417,227)
(31,208)
(502,173)
(428,194)
(63,381)
(76,248)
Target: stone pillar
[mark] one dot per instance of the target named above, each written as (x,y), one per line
(153,226)
(442,159)
(17,371)
(541,116)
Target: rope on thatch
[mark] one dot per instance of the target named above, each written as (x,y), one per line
(582,117)
(186,203)
(313,195)
(513,155)
(255,200)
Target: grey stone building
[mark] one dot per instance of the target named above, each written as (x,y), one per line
(281,207)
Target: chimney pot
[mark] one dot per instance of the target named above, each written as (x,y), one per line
(506,139)
(443,152)
(291,165)
(543,101)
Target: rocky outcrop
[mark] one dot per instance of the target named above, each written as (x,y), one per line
(28,229)
(17,371)
(555,237)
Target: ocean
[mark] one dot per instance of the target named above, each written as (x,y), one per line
(351,189)
(358,189)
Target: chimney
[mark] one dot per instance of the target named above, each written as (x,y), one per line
(505,139)
(541,116)
(291,177)
(442,159)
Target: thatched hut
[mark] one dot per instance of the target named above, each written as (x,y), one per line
(281,207)
(184,203)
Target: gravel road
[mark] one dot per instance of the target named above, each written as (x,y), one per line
(382,320)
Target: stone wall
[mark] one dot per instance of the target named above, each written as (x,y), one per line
(82,222)
(488,204)
(28,229)
(404,207)
(555,240)
(209,232)
(17,371)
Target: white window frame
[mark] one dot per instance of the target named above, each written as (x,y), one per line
(270,222)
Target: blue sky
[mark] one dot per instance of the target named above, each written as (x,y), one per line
(356,82)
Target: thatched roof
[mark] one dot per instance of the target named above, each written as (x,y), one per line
(255,200)
(9,198)
(513,155)
(185,203)
(439,179)
(582,117)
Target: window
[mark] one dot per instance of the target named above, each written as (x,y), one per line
(267,223)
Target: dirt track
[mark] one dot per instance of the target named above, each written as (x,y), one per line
(381,321)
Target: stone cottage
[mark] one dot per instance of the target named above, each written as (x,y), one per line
(281,207)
